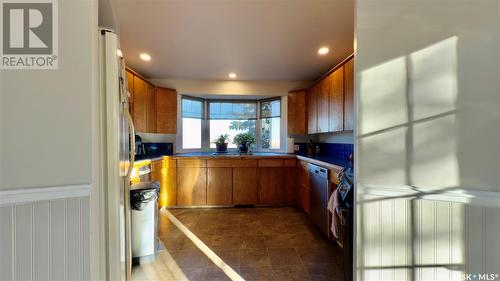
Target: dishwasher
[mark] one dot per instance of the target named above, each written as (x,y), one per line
(319,195)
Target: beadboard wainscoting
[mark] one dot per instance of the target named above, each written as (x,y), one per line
(45,233)
(418,235)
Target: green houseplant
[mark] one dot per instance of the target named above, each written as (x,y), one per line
(244,140)
(221,142)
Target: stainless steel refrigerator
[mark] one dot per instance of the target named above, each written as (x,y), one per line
(117,145)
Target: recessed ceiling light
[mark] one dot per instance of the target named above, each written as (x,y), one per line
(232,75)
(323,51)
(119,53)
(145,57)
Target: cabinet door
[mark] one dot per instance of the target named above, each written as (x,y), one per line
(297,113)
(156,167)
(220,186)
(311,100)
(270,185)
(291,182)
(164,171)
(141,98)
(151,109)
(191,186)
(303,188)
(304,199)
(244,186)
(349,95)
(336,100)
(166,111)
(130,85)
(323,89)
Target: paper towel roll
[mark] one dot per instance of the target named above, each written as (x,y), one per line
(290,145)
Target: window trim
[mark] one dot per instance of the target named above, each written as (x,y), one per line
(208,101)
(203,114)
(281,148)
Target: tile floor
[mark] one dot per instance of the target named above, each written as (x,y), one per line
(257,243)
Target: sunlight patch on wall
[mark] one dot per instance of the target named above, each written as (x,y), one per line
(382,97)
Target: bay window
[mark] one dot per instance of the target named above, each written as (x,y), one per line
(270,117)
(232,118)
(192,115)
(204,120)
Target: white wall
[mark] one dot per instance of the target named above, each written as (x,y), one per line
(427,139)
(45,127)
(46,137)
(340,137)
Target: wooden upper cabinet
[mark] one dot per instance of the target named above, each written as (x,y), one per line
(336,100)
(130,85)
(141,99)
(151,109)
(297,113)
(323,89)
(166,111)
(349,121)
(311,102)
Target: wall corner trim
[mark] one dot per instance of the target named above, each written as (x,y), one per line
(28,195)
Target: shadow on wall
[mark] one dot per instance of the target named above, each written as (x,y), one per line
(408,154)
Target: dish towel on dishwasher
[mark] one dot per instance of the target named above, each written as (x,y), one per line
(333,205)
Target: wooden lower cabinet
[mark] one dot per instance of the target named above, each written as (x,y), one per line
(219,186)
(191,186)
(303,198)
(244,186)
(164,171)
(303,188)
(270,185)
(291,182)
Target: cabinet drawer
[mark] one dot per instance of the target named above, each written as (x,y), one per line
(271,163)
(223,163)
(191,163)
(290,163)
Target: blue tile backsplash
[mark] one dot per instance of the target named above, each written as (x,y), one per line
(333,150)
(155,149)
(337,150)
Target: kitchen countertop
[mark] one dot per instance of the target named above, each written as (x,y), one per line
(211,155)
(321,160)
(336,163)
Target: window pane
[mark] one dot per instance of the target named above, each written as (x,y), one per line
(232,110)
(192,108)
(191,133)
(270,137)
(230,127)
(270,108)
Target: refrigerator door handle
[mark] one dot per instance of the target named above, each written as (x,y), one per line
(132,143)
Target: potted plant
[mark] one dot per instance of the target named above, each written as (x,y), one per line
(221,142)
(244,140)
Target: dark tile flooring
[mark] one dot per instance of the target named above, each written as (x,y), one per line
(257,243)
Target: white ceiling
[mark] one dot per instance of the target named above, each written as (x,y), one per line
(259,40)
